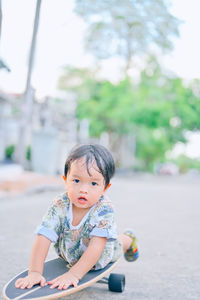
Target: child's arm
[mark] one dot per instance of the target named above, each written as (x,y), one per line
(85,263)
(38,255)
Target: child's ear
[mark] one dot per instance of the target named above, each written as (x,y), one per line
(108,186)
(64,177)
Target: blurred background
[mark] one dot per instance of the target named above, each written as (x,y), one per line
(121,73)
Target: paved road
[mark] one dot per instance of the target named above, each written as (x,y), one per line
(165,213)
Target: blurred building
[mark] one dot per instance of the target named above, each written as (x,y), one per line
(52,132)
(8,121)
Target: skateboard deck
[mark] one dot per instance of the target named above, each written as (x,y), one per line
(52,269)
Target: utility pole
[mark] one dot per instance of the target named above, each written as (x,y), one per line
(27,106)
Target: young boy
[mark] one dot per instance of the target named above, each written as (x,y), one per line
(81,222)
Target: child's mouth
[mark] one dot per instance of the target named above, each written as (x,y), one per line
(82,200)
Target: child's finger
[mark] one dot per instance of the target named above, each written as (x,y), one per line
(42,282)
(54,285)
(24,285)
(18,282)
(52,281)
(65,286)
(75,284)
(29,286)
(61,285)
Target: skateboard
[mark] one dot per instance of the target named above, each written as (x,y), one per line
(57,267)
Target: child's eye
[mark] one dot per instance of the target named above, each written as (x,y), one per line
(76,180)
(94,183)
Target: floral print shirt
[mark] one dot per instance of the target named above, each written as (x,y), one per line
(70,241)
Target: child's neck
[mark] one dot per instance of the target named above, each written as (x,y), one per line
(78,214)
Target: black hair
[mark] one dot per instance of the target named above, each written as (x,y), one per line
(93,153)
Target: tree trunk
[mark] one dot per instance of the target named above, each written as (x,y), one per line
(0,19)
(27,106)
(129,53)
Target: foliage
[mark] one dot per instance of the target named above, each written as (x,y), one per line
(28,153)
(108,108)
(9,151)
(186,163)
(151,146)
(127,28)
(157,110)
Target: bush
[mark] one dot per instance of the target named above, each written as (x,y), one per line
(9,151)
(28,153)
(186,163)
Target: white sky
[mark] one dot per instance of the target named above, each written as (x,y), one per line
(60,38)
(59,43)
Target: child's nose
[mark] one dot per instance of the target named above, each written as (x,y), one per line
(84,188)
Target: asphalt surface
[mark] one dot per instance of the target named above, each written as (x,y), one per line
(165,214)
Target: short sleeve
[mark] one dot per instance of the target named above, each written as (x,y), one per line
(51,222)
(103,223)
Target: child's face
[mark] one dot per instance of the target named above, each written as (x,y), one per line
(84,190)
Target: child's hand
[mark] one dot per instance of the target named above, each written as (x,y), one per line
(64,281)
(30,280)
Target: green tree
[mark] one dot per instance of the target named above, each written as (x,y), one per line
(186,163)
(127,28)
(158,109)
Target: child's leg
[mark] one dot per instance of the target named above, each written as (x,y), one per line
(125,241)
(129,243)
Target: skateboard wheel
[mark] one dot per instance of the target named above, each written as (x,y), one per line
(116,282)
